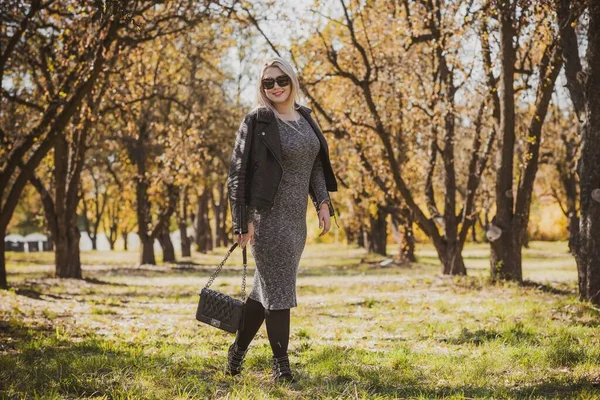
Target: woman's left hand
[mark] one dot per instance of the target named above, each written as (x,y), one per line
(324,219)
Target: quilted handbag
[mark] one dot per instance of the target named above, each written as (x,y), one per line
(218,309)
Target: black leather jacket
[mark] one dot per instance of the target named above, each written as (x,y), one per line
(255,170)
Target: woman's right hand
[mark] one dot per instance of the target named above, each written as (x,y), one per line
(243,239)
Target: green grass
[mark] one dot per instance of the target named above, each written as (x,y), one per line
(360,331)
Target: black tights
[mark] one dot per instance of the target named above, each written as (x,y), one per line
(278,327)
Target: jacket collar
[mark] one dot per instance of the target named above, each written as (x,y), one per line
(266,115)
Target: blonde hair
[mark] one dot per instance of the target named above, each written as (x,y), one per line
(261,98)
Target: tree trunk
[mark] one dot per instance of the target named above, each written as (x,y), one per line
(403,232)
(167,245)
(569,181)
(182,218)
(378,233)
(113,232)
(203,231)
(66,256)
(217,205)
(525,233)
(566,15)
(66,253)
(3,280)
(199,222)
(208,231)
(409,239)
(505,257)
(147,251)
(223,237)
(137,153)
(451,259)
(513,211)
(124,237)
(94,241)
(588,254)
(360,237)
(504,260)
(186,243)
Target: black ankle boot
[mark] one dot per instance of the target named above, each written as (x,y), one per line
(281,370)
(235,359)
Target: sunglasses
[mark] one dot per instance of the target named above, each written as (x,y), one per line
(282,81)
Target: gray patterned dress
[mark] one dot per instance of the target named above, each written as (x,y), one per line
(280,233)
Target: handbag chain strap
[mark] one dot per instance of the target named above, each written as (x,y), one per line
(220,267)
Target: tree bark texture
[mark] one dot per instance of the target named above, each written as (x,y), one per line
(505,258)
(513,206)
(378,233)
(67,174)
(588,254)
(166,244)
(217,206)
(124,237)
(403,232)
(452,260)
(584,229)
(203,231)
(182,219)
(3,278)
(147,253)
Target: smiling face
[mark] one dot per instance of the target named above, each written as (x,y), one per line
(277,94)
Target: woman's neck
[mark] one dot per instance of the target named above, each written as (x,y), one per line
(285,109)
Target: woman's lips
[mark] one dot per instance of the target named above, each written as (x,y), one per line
(278,93)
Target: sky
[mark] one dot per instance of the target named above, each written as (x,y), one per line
(283,21)
(279,23)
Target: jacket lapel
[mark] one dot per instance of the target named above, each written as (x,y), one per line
(268,131)
(306,114)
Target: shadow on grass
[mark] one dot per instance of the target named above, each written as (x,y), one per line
(401,374)
(36,295)
(547,288)
(514,335)
(47,361)
(183,264)
(97,281)
(186,271)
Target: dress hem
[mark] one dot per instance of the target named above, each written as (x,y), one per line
(273,309)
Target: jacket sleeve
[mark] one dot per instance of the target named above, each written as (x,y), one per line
(236,182)
(318,188)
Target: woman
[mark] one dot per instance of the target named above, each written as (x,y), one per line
(279,156)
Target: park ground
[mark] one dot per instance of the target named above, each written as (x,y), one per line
(360,331)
